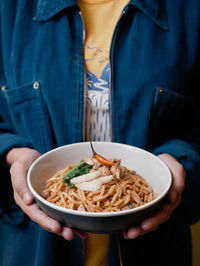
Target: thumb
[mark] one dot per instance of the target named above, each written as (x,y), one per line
(18,172)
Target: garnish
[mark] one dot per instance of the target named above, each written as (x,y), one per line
(100,158)
(80,169)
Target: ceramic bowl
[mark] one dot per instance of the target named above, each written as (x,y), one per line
(149,166)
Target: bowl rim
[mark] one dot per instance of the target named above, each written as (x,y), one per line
(98,214)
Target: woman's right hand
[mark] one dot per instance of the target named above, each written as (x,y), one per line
(19,160)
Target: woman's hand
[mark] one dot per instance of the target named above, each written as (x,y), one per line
(173,199)
(20,159)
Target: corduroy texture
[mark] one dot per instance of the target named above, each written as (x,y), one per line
(155,105)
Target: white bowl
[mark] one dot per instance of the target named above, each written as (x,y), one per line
(149,166)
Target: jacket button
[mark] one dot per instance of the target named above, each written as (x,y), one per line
(160,90)
(36,85)
(3,88)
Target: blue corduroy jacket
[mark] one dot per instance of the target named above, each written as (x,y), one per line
(155,105)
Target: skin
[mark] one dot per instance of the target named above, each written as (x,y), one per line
(20,159)
(173,199)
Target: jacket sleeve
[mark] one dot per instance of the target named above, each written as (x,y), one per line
(9,211)
(187,150)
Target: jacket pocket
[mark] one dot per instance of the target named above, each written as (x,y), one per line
(172,112)
(28,115)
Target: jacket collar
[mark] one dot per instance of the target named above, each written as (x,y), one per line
(153,9)
(46,9)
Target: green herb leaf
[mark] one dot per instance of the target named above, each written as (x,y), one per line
(69,184)
(80,169)
(74,171)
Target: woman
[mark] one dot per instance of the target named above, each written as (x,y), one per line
(152,93)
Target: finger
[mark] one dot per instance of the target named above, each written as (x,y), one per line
(178,180)
(67,233)
(39,217)
(177,171)
(133,232)
(151,223)
(18,177)
(160,217)
(174,197)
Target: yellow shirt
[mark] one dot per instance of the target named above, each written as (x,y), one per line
(100,18)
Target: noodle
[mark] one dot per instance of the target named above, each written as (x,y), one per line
(128,191)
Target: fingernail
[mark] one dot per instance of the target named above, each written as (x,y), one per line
(26,197)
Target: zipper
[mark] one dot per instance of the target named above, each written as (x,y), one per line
(85,83)
(111,51)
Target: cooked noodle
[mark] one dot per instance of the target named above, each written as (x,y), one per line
(128,191)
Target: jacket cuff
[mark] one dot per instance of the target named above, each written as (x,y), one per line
(180,149)
(9,141)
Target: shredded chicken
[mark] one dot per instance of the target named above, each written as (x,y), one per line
(105,170)
(96,164)
(115,169)
(88,160)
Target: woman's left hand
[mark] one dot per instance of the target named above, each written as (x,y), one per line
(173,199)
